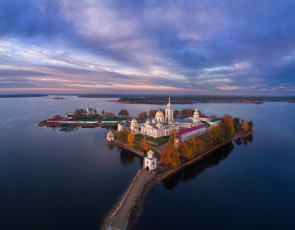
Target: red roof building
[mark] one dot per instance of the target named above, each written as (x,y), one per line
(197,130)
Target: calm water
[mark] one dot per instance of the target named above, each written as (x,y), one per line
(56,180)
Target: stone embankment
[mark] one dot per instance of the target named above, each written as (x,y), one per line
(119,216)
(124,146)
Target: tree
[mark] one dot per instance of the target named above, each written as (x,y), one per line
(245,126)
(103,112)
(152,113)
(237,124)
(57,116)
(229,121)
(79,111)
(142,116)
(170,156)
(186,151)
(250,123)
(131,138)
(123,135)
(123,113)
(176,113)
(172,135)
(207,140)
(95,111)
(200,146)
(144,145)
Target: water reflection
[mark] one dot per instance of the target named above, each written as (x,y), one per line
(244,140)
(110,146)
(196,169)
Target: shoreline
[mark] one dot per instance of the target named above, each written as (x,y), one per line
(137,204)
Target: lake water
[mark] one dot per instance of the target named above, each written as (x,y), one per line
(70,180)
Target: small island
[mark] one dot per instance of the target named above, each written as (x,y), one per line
(168,140)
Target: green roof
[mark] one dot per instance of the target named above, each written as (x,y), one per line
(215,119)
(88,119)
(114,119)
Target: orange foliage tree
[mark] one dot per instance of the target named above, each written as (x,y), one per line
(200,146)
(186,151)
(170,156)
(131,138)
(245,126)
(228,120)
(172,135)
(144,145)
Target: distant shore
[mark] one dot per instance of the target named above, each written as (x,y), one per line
(202,99)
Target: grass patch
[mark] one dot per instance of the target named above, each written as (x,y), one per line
(155,140)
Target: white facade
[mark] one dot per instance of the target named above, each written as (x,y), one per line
(196,131)
(110,136)
(196,117)
(150,162)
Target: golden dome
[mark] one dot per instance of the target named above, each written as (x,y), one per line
(196,112)
(134,120)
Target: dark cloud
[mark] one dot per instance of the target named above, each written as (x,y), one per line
(205,44)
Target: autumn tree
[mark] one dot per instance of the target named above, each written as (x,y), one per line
(207,140)
(152,113)
(172,135)
(142,116)
(131,138)
(123,113)
(200,146)
(79,111)
(217,135)
(103,112)
(144,144)
(124,134)
(95,111)
(245,126)
(170,156)
(186,151)
(229,121)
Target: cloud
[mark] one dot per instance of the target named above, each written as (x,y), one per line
(186,46)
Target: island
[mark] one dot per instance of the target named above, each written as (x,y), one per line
(168,141)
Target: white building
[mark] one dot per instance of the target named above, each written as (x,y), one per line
(196,117)
(186,133)
(150,162)
(110,136)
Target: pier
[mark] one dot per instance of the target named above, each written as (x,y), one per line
(118,218)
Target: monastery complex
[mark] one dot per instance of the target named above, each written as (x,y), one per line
(162,124)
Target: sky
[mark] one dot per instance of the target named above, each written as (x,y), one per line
(216,47)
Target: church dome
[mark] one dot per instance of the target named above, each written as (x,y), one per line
(196,112)
(134,120)
(150,153)
(154,121)
(147,122)
(159,114)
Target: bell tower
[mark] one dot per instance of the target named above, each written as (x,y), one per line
(169,112)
